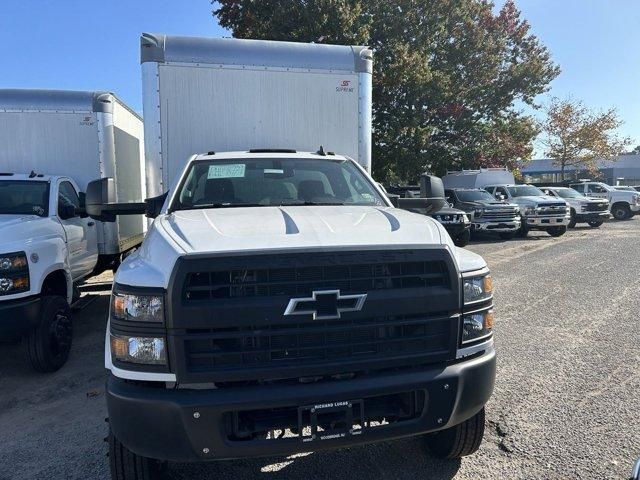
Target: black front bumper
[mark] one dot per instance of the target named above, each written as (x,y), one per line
(18,316)
(592,216)
(455,229)
(193,425)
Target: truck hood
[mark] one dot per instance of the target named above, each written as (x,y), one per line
(22,229)
(259,228)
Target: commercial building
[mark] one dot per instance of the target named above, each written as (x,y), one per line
(623,171)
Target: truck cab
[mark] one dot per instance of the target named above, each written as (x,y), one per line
(537,210)
(583,209)
(487,214)
(280,304)
(622,204)
(47,246)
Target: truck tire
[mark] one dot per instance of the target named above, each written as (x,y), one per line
(49,343)
(462,240)
(126,465)
(572,222)
(523,232)
(460,440)
(557,231)
(595,223)
(621,211)
(507,235)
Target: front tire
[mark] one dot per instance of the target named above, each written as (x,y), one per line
(49,343)
(126,465)
(462,240)
(595,223)
(557,231)
(460,440)
(572,222)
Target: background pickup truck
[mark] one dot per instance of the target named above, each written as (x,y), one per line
(486,213)
(622,204)
(583,209)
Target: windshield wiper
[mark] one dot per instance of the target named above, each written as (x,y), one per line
(313,204)
(222,205)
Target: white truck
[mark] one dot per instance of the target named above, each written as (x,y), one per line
(52,143)
(537,210)
(622,204)
(592,211)
(279,302)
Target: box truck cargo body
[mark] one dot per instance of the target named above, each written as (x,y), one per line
(204,94)
(81,135)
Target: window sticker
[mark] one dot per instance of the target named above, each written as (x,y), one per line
(233,170)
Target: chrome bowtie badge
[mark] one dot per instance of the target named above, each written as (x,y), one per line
(326,304)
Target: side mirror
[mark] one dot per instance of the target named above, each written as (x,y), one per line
(82,211)
(99,194)
(431,196)
(65,212)
(154,205)
(393,198)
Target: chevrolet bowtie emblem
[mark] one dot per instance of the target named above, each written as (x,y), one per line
(326,304)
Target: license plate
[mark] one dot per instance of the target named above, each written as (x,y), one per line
(330,420)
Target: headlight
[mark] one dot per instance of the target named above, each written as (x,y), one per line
(477,288)
(567,210)
(529,211)
(137,308)
(465,218)
(144,350)
(476,326)
(477,212)
(14,273)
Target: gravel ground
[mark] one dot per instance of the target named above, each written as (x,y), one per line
(565,404)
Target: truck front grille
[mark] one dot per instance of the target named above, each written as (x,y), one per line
(595,207)
(552,209)
(502,215)
(227,320)
(305,279)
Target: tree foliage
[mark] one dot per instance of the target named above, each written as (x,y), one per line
(578,137)
(447,73)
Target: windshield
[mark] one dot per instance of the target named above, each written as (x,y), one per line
(274,182)
(525,191)
(568,193)
(24,197)
(474,195)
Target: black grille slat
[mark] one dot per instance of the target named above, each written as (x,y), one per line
(301,281)
(298,343)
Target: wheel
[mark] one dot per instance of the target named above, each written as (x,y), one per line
(462,240)
(507,235)
(572,222)
(49,343)
(524,231)
(621,211)
(595,223)
(557,231)
(126,465)
(459,441)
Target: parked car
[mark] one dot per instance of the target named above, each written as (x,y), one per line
(486,213)
(48,245)
(622,204)
(583,209)
(280,289)
(537,210)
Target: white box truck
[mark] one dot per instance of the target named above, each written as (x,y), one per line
(280,303)
(214,94)
(52,143)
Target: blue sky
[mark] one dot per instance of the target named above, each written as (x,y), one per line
(93,45)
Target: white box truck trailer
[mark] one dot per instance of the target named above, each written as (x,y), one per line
(52,143)
(213,94)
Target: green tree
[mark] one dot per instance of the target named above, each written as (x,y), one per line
(447,74)
(575,136)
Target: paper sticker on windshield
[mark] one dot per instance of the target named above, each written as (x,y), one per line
(233,170)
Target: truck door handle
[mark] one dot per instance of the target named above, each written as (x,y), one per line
(91,224)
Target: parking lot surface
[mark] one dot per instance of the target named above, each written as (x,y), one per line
(565,403)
